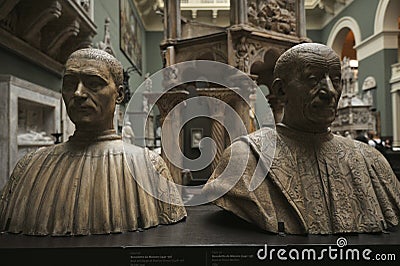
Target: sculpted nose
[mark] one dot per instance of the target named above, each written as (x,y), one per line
(80,90)
(327,90)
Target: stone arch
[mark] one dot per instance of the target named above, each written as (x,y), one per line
(339,31)
(263,65)
(387,25)
(386,16)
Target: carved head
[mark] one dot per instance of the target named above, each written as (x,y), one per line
(92,86)
(308,81)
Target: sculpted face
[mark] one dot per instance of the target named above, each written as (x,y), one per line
(89,93)
(313,93)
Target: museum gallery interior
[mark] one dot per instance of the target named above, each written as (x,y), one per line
(198,81)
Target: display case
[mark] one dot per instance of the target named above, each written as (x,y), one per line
(29,115)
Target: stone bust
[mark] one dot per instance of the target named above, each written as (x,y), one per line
(88,185)
(316,182)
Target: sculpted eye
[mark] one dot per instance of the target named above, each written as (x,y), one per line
(70,83)
(312,80)
(94,83)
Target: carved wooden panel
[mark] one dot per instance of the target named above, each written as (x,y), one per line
(46,31)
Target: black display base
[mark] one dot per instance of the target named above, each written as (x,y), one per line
(209,236)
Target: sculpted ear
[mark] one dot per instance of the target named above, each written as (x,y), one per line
(121,94)
(278,90)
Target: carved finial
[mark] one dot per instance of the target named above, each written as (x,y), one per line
(105,45)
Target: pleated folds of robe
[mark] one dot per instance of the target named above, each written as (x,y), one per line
(89,185)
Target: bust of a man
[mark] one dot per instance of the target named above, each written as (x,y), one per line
(318,182)
(93,183)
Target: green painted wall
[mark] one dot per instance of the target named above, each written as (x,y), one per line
(362,11)
(315,35)
(20,67)
(110,9)
(382,74)
(153,54)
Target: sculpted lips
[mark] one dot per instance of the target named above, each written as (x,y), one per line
(82,108)
(323,100)
(323,106)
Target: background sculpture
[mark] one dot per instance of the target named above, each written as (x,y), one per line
(88,185)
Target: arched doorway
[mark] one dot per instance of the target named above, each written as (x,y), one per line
(354,113)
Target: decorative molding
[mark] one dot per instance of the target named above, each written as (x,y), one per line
(311,4)
(382,15)
(377,42)
(69,31)
(345,22)
(248,51)
(321,20)
(41,31)
(23,49)
(31,32)
(84,16)
(385,36)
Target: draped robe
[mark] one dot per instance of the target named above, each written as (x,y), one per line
(88,185)
(317,184)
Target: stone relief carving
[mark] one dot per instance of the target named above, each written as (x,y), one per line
(245,53)
(242,55)
(33,137)
(85,4)
(275,15)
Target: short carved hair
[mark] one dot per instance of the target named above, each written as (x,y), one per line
(113,64)
(293,60)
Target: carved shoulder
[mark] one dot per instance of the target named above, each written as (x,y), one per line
(15,176)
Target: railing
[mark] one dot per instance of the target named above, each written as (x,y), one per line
(213,5)
(205,2)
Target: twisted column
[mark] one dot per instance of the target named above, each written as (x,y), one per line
(217,112)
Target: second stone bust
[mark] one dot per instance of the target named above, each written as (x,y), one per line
(314,182)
